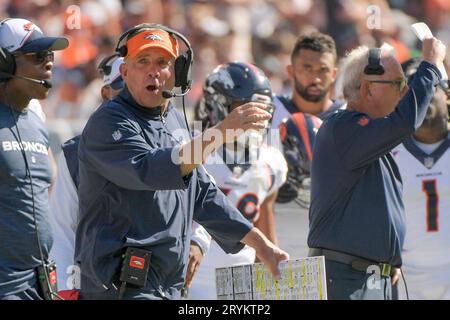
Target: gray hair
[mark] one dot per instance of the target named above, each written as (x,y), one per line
(353,71)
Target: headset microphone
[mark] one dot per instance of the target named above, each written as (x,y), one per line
(169,94)
(47,84)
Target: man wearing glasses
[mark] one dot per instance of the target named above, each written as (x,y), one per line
(400,83)
(357,216)
(26,62)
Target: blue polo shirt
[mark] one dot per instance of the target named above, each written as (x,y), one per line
(19,253)
(356,188)
(131,193)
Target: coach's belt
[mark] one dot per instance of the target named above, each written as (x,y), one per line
(357,263)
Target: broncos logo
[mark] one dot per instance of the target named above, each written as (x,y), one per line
(29,26)
(153,37)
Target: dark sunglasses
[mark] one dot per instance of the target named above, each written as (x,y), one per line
(40,57)
(400,83)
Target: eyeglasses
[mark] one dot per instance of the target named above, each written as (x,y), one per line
(401,83)
(40,57)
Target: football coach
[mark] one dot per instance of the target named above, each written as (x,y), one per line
(356,216)
(140,189)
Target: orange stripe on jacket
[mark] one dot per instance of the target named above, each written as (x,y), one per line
(299,119)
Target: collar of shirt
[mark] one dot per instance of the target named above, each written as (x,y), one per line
(17,114)
(125,97)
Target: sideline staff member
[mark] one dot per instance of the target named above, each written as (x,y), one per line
(64,196)
(357,217)
(133,194)
(25,173)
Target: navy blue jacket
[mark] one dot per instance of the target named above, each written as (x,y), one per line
(132,194)
(70,150)
(356,189)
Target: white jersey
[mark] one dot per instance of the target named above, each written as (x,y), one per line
(64,213)
(426,195)
(246,189)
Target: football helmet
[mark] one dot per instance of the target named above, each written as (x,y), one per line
(298,134)
(230,84)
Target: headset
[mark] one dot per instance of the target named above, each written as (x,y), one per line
(105,67)
(8,67)
(183,63)
(7,64)
(7,61)
(374,66)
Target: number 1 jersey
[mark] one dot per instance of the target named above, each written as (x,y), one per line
(426,195)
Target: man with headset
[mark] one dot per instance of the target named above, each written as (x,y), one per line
(64,196)
(142,182)
(26,62)
(356,216)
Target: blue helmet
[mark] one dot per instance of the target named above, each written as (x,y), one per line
(298,134)
(230,83)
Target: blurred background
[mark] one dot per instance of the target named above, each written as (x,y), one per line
(259,31)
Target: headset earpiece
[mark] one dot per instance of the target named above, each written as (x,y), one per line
(374,66)
(105,66)
(123,51)
(7,60)
(7,64)
(182,70)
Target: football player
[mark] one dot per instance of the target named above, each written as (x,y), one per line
(424,160)
(312,72)
(249,172)
(298,134)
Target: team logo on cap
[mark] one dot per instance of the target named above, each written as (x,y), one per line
(29,26)
(153,37)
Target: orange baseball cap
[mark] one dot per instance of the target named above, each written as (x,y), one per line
(153,38)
